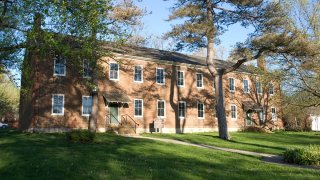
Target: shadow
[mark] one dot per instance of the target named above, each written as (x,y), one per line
(50,156)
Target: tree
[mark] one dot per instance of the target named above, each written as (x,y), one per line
(9,98)
(302,73)
(62,26)
(205,20)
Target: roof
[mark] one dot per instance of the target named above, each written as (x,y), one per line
(116,96)
(249,105)
(174,57)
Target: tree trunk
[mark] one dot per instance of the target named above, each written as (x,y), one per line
(220,107)
(93,118)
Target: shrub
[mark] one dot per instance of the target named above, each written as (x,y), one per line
(80,136)
(254,129)
(305,156)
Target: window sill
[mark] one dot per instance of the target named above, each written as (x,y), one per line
(138,82)
(59,74)
(54,114)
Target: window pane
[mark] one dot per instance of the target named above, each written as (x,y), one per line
(161,108)
(160,76)
(199,80)
(181,109)
(57,106)
(271,89)
(59,65)
(245,86)
(137,73)
(138,107)
(233,111)
(200,110)
(180,78)
(86,68)
(114,68)
(231,84)
(86,105)
(258,86)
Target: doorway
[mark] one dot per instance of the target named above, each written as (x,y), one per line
(114,113)
(249,119)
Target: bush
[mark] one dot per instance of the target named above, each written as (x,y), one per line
(80,136)
(305,156)
(254,129)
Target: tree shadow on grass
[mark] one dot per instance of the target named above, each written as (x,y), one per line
(50,156)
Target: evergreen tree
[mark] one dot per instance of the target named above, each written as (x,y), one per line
(205,20)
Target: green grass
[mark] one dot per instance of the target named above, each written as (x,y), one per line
(50,156)
(273,143)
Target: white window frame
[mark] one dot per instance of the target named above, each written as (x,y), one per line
(54,66)
(259,88)
(185,109)
(183,78)
(164,76)
(164,108)
(244,89)
(234,86)
(52,103)
(271,88)
(83,65)
(235,107)
(274,115)
(204,112)
(134,108)
(202,86)
(134,72)
(118,73)
(82,106)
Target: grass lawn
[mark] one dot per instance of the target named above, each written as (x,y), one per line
(273,143)
(50,156)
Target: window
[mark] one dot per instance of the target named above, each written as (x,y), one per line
(114,71)
(161,108)
(271,89)
(138,107)
(180,78)
(86,105)
(57,104)
(273,113)
(59,66)
(138,74)
(245,86)
(86,68)
(182,109)
(233,112)
(160,76)
(199,77)
(259,88)
(200,110)
(231,84)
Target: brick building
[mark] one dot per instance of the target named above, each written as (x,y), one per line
(137,87)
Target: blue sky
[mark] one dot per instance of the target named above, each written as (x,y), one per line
(155,24)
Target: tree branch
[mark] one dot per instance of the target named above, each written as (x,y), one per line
(13,47)
(240,62)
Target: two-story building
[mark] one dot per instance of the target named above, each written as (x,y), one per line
(139,86)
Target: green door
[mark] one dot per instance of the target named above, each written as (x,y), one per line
(114,113)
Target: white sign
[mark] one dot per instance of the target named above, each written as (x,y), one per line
(158,123)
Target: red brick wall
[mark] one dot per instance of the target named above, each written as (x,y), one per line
(73,87)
